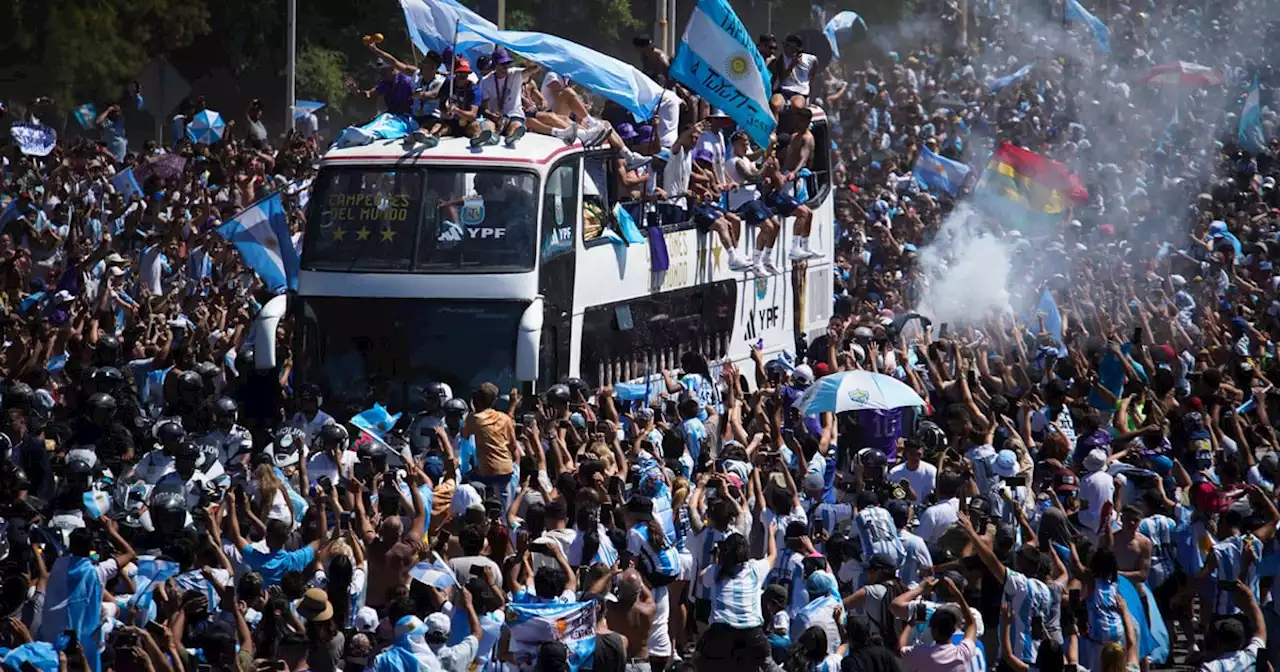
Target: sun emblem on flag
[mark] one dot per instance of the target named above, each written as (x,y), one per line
(737,66)
(271,243)
(859,396)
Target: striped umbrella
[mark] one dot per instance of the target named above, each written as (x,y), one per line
(206,127)
(1183,73)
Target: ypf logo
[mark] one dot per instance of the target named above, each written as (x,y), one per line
(859,396)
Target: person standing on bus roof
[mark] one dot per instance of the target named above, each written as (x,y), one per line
(497,448)
(500,91)
(793,69)
(395,83)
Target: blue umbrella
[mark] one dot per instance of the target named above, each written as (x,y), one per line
(856,391)
(206,127)
(302,107)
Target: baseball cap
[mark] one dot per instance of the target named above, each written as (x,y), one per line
(802,374)
(882,561)
(438,624)
(1006,464)
(366,620)
(1065,481)
(813,482)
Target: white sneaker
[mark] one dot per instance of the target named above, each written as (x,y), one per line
(511,140)
(797,253)
(568,135)
(770,268)
(638,160)
(810,254)
(738,263)
(759,270)
(596,135)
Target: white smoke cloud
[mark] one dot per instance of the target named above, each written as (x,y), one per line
(968,270)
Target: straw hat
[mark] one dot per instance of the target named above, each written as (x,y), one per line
(314,606)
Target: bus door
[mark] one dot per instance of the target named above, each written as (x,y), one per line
(561,219)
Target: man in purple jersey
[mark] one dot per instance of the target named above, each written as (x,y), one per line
(882,429)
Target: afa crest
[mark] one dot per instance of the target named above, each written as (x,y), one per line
(472,212)
(859,396)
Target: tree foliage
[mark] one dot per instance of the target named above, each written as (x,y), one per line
(88,50)
(72,48)
(320,75)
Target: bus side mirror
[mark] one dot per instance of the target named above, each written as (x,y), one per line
(264,332)
(528,342)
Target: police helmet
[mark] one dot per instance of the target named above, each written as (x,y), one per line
(170,432)
(226,406)
(190,381)
(931,436)
(333,434)
(436,391)
(873,458)
(101,401)
(558,394)
(19,395)
(578,385)
(455,405)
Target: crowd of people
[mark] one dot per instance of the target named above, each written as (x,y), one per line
(1092,489)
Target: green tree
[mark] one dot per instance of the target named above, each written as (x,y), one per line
(75,50)
(320,75)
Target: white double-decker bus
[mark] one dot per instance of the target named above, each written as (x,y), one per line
(463,266)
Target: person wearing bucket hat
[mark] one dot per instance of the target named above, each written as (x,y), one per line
(503,107)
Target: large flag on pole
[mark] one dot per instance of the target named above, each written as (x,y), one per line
(432,24)
(1077,12)
(718,60)
(261,235)
(598,73)
(1021,176)
(839,24)
(1250,136)
(939,172)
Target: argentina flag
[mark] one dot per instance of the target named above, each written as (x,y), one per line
(261,235)
(570,623)
(1077,12)
(938,172)
(719,61)
(1250,136)
(1005,82)
(376,421)
(432,23)
(385,126)
(839,24)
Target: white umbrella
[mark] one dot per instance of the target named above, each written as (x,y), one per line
(856,391)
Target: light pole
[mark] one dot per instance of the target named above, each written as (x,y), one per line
(291,69)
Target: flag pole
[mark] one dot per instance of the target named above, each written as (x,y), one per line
(291,70)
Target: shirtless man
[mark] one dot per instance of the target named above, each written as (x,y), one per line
(1133,550)
(781,197)
(632,617)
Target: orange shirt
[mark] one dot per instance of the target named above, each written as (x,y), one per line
(495,433)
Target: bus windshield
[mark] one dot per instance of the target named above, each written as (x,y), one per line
(363,349)
(422,220)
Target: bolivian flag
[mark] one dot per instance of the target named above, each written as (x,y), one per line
(1019,176)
